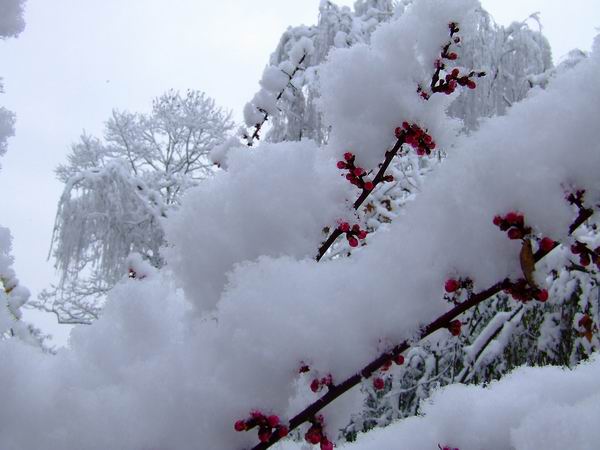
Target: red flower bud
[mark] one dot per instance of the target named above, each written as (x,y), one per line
(455,73)
(315,385)
(369,186)
(358,171)
(471,84)
(399,360)
(240,425)
(341,165)
(378,383)
(264,435)
(282,431)
(273,421)
(452,56)
(348,156)
(515,233)
(498,220)
(542,295)
(455,327)
(326,444)
(353,242)
(451,285)
(362,234)
(344,227)
(547,244)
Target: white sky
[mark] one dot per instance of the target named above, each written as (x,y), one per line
(79,59)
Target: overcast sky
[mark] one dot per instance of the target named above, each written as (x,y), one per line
(79,59)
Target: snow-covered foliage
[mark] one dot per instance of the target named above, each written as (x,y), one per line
(158,371)
(13,295)
(11,19)
(11,24)
(510,56)
(533,408)
(118,189)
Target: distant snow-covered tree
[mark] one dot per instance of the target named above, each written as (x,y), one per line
(118,188)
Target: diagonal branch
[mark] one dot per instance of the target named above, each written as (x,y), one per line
(442,321)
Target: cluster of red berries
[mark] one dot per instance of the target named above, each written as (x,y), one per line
(586,254)
(522,291)
(379,382)
(317,384)
(356,175)
(416,137)
(514,224)
(353,233)
(315,435)
(454,78)
(267,425)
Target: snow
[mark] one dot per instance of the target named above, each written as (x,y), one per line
(532,408)
(180,354)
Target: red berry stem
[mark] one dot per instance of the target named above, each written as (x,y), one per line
(443,321)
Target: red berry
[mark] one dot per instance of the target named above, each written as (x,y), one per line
(451,285)
(348,156)
(264,435)
(358,171)
(406,125)
(498,220)
(547,244)
(315,385)
(240,425)
(353,242)
(326,444)
(452,56)
(515,233)
(584,259)
(362,234)
(455,73)
(398,132)
(344,227)
(282,431)
(356,228)
(542,295)
(378,383)
(313,436)
(455,327)
(369,186)
(512,218)
(471,84)
(341,165)
(273,421)
(257,415)
(399,360)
